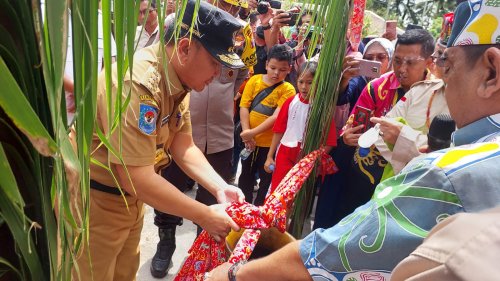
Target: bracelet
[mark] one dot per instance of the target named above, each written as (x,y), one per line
(266,27)
(231,273)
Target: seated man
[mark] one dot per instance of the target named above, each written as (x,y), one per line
(370,242)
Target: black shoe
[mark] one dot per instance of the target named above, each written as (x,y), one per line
(162,260)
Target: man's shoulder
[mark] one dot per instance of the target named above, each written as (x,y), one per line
(146,69)
(425,84)
(459,158)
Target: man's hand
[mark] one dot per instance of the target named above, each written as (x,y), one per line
(281,19)
(350,136)
(247,135)
(229,194)
(389,129)
(266,18)
(217,222)
(269,162)
(219,273)
(250,144)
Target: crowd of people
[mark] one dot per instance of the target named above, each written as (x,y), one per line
(236,84)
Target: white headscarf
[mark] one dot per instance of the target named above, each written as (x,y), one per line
(386,44)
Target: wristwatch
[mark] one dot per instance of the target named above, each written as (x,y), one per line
(231,273)
(266,27)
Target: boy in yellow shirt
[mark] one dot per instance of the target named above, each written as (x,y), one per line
(257,118)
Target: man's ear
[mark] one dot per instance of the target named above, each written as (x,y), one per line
(183,49)
(490,61)
(428,62)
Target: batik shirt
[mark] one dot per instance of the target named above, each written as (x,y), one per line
(370,242)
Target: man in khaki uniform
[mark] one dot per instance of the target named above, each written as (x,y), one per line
(212,111)
(155,124)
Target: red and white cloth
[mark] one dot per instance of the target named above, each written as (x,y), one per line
(206,253)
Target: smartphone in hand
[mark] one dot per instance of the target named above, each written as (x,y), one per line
(293,18)
(369,68)
(362,117)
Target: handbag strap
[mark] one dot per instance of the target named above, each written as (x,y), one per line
(263,94)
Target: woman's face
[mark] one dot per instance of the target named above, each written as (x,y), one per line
(378,53)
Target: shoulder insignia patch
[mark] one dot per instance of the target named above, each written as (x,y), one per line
(151,79)
(147,118)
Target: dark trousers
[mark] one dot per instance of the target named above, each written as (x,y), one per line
(255,164)
(222,164)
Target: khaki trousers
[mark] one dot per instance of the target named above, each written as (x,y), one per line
(114,235)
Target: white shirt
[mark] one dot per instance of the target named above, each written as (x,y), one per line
(296,123)
(142,37)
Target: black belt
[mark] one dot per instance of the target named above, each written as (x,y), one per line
(108,189)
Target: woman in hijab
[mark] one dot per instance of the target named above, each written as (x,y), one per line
(351,85)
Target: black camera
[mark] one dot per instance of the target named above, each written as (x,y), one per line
(263,6)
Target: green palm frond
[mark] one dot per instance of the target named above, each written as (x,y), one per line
(333,17)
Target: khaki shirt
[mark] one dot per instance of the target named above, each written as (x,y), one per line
(158,109)
(463,247)
(427,95)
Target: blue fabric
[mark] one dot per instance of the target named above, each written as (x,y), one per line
(475,131)
(378,235)
(352,92)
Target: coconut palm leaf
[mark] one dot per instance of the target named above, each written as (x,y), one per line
(333,16)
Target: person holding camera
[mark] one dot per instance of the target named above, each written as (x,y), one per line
(273,19)
(352,83)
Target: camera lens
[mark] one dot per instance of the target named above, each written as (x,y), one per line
(262,7)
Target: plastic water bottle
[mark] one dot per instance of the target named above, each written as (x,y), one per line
(245,152)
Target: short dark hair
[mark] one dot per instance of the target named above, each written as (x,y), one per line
(474,52)
(307,66)
(280,52)
(421,37)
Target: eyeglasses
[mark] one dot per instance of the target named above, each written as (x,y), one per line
(377,57)
(408,61)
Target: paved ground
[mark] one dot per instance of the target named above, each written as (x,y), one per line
(185,236)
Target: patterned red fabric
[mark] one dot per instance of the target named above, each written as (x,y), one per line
(206,253)
(245,246)
(357,23)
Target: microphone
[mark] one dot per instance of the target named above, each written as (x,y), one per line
(439,136)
